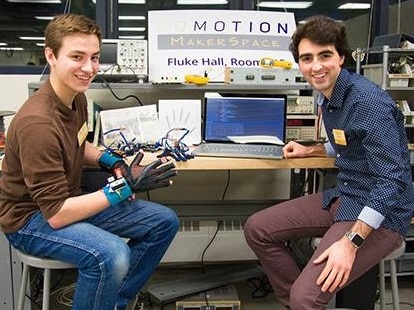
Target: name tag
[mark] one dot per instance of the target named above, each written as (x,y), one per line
(82,134)
(339,136)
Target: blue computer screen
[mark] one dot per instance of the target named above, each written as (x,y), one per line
(243,116)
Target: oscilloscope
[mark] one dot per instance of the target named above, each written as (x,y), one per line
(124,58)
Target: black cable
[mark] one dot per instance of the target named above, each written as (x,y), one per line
(206,298)
(219,223)
(261,287)
(405,303)
(227,185)
(106,84)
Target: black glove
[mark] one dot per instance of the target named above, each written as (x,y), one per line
(154,175)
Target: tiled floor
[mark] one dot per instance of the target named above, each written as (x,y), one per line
(245,292)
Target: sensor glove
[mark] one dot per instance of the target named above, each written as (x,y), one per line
(110,161)
(147,177)
(117,190)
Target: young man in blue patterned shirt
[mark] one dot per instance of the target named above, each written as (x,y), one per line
(368,213)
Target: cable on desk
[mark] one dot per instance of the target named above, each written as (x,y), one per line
(107,85)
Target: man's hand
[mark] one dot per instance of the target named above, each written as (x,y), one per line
(296,150)
(154,175)
(339,257)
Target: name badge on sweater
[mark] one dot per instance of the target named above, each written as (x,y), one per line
(339,136)
(82,134)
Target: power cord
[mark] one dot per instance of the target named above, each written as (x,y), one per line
(64,295)
(107,84)
(219,224)
(261,287)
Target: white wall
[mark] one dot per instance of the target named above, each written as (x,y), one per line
(14,92)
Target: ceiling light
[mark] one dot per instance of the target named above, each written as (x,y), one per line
(131,1)
(127,1)
(285,4)
(201,2)
(132,29)
(11,48)
(131,17)
(40,44)
(354,6)
(44,17)
(3,44)
(34,1)
(132,37)
(32,38)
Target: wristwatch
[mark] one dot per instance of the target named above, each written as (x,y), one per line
(355,239)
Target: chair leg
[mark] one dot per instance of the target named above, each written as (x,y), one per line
(394,285)
(23,286)
(382,284)
(46,289)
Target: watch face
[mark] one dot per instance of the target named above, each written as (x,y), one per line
(357,240)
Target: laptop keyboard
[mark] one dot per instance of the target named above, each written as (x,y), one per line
(239,150)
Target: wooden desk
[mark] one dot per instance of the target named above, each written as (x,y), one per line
(221,163)
(218,163)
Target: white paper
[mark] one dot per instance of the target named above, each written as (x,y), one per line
(139,123)
(257,139)
(181,113)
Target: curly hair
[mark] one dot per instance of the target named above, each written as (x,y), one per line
(321,30)
(67,24)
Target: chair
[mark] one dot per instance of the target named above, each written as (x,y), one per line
(44,263)
(393,277)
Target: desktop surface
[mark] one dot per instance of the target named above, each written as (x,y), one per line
(218,163)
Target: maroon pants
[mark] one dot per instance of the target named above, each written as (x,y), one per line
(268,230)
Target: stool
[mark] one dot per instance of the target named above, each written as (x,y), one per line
(44,263)
(393,277)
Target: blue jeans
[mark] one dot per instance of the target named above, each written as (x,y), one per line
(111,270)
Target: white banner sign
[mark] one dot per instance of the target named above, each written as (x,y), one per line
(203,42)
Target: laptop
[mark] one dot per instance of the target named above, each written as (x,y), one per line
(243,126)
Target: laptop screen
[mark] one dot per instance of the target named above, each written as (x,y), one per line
(243,116)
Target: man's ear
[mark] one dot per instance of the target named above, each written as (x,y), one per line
(342,60)
(50,56)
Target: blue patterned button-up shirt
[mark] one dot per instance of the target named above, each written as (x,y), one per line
(374,172)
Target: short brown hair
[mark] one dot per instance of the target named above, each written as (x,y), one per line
(66,24)
(321,30)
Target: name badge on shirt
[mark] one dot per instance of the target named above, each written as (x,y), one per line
(82,134)
(339,136)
